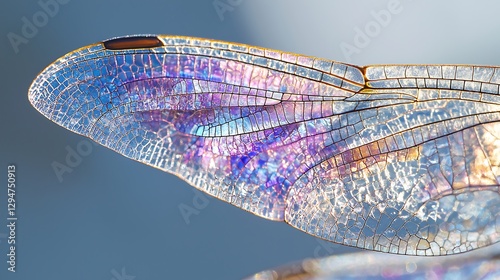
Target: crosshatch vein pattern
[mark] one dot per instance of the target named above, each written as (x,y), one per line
(393,158)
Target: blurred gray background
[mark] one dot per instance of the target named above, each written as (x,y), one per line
(113,218)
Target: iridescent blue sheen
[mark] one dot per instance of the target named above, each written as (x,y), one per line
(393,158)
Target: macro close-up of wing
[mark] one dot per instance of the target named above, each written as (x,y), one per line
(393,158)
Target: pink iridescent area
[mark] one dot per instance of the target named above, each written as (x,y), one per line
(402,159)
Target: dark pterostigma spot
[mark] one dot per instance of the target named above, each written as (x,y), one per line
(138,42)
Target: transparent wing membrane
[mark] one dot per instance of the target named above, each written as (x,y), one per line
(393,158)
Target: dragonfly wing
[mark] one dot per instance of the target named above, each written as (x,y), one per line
(232,120)
(420,178)
(403,159)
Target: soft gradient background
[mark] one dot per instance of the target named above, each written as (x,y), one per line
(111,213)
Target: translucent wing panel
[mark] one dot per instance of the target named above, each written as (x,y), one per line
(402,159)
